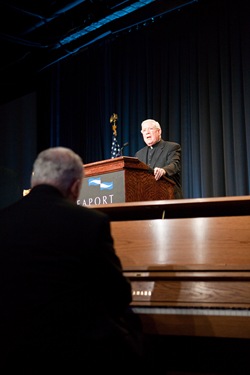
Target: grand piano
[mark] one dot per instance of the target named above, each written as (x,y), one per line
(189,265)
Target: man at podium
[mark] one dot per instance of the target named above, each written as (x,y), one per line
(163,157)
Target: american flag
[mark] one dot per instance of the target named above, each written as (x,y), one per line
(115,148)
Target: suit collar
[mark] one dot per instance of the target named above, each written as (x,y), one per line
(158,150)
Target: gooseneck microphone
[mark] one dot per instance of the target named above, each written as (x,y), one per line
(124,145)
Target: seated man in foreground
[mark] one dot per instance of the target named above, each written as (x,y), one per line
(64,298)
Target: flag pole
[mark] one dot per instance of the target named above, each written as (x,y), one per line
(115,147)
(113,119)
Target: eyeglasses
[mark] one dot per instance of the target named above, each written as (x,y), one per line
(150,129)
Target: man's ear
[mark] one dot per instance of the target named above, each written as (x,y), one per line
(75,190)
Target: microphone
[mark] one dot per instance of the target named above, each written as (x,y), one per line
(124,145)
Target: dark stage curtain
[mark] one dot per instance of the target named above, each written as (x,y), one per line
(189,70)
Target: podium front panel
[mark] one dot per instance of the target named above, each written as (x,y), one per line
(103,189)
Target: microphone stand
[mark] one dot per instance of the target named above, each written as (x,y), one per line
(124,145)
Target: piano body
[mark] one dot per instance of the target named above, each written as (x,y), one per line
(190,275)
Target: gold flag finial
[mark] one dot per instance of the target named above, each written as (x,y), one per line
(113,119)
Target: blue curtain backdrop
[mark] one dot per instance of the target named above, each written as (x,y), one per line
(189,70)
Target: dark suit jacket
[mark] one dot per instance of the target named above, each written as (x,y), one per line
(167,155)
(62,289)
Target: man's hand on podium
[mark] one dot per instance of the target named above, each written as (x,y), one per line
(158,173)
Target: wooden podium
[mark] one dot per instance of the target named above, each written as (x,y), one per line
(122,179)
